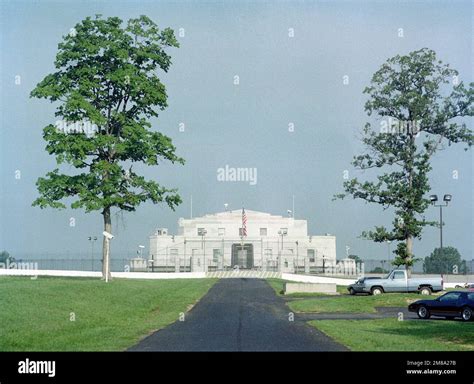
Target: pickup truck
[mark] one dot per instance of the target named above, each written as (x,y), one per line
(397,281)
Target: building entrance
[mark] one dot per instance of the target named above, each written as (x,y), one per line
(242,256)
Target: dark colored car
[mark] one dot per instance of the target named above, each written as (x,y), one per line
(450,305)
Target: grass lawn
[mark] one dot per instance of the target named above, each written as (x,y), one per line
(354,304)
(35,315)
(279,284)
(394,335)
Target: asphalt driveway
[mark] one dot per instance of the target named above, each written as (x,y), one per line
(239,315)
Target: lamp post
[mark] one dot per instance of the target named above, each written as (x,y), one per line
(92,239)
(388,248)
(446,199)
(282,233)
(139,252)
(202,233)
(297,258)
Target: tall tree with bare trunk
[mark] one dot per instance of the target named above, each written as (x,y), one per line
(420,104)
(106,88)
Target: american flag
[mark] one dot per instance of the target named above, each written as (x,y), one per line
(244,223)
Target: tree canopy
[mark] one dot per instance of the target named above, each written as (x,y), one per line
(106,88)
(419,103)
(446,260)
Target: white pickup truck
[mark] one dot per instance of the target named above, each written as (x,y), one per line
(397,281)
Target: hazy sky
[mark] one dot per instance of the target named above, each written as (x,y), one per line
(283,80)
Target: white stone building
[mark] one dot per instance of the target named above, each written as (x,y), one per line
(214,243)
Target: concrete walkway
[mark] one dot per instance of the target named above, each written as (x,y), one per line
(239,315)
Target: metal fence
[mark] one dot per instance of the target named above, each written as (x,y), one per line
(384,266)
(161,265)
(116,265)
(120,264)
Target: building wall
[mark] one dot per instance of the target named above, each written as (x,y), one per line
(231,221)
(188,251)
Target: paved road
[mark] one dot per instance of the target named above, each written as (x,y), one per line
(239,315)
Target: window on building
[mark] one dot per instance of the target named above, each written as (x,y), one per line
(201,231)
(286,264)
(241,231)
(263,231)
(284,231)
(216,254)
(221,231)
(311,255)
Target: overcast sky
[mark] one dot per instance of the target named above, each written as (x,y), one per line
(283,80)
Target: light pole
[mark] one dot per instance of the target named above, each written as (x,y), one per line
(202,233)
(446,199)
(139,252)
(282,233)
(92,239)
(388,248)
(297,258)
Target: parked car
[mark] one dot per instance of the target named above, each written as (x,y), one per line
(450,305)
(397,281)
(469,287)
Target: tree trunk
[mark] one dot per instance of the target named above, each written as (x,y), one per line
(106,245)
(409,243)
(409,237)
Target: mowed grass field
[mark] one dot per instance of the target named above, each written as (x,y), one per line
(394,335)
(354,304)
(388,334)
(81,314)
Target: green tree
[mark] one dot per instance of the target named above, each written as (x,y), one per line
(356,258)
(107,89)
(418,101)
(378,270)
(4,257)
(446,260)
